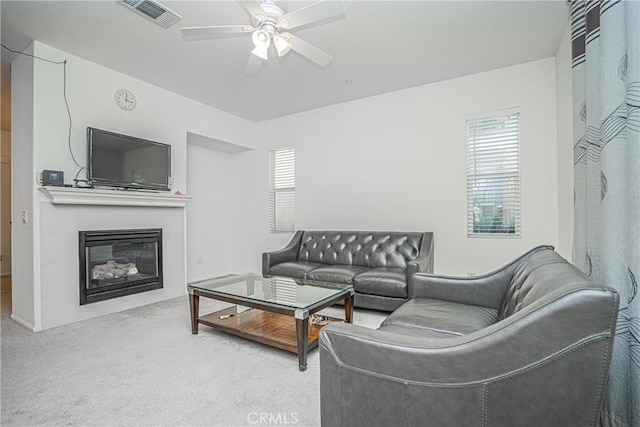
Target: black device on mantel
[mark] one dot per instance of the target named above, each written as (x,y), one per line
(52,178)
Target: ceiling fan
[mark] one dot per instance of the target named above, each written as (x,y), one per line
(269,25)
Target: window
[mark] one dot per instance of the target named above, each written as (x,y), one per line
(493,175)
(282,190)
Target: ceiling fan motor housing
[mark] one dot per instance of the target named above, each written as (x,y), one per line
(270,22)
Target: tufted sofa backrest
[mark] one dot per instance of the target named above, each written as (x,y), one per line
(543,273)
(362,248)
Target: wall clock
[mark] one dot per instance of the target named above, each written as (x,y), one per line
(125,99)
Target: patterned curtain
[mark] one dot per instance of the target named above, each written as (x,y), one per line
(605,39)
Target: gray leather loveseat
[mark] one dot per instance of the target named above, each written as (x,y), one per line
(378,264)
(526,345)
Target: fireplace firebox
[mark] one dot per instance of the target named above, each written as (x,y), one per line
(115,263)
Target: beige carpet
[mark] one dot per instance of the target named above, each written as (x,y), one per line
(143,367)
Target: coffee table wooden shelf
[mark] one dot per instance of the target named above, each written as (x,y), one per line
(280,309)
(276,330)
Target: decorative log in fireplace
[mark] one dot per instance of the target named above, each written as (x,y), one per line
(115,263)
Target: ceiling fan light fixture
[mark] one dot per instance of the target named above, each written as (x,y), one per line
(260,52)
(261,41)
(260,37)
(282,44)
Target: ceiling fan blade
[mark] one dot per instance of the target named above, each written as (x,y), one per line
(309,51)
(314,12)
(215,31)
(254,64)
(254,9)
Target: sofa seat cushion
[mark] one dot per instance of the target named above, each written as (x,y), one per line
(295,269)
(383,281)
(416,332)
(336,273)
(442,316)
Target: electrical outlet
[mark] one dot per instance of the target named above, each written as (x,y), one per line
(199,260)
(471,273)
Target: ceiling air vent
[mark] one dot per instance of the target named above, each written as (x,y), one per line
(153,11)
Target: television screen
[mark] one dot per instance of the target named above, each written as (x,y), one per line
(124,161)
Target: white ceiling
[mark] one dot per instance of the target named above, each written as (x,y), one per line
(381,46)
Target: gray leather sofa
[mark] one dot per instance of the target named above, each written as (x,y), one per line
(526,345)
(378,264)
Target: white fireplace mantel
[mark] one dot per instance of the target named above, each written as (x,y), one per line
(90,196)
(63,212)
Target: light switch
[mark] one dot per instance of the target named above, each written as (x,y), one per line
(25,217)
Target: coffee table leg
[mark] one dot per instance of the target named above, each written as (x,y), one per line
(194,306)
(302,334)
(348,308)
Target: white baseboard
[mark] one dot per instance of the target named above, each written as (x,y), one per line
(24,323)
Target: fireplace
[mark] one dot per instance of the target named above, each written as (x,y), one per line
(115,263)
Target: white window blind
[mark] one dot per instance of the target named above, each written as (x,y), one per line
(282,190)
(493,175)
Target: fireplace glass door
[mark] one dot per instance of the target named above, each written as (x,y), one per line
(115,263)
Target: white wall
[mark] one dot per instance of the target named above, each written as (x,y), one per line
(398,162)
(5,202)
(161,115)
(250,218)
(25,299)
(565,145)
(40,131)
(5,167)
(210,213)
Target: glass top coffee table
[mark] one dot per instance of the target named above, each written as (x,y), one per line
(280,312)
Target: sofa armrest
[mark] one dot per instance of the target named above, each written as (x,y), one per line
(288,253)
(424,260)
(526,355)
(486,290)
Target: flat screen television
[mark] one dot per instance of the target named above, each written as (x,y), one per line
(115,160)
